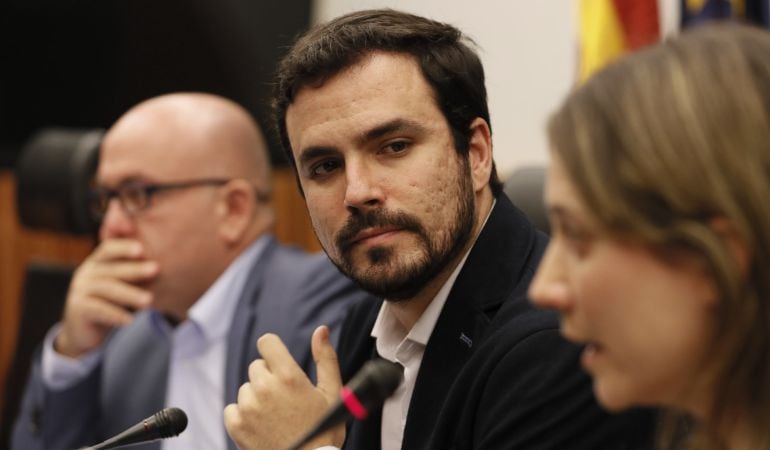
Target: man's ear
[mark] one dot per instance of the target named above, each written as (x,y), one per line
(735,244)
(236,209)
(480,153)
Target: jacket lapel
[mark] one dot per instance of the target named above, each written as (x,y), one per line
(138,359)
(490,273)
(241,344)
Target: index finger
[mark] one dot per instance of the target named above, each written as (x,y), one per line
(112,249)
(277,356)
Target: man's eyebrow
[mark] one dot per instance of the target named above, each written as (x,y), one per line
(312,153)
(392,126)
(131,178)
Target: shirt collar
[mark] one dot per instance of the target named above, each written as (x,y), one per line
(213,312)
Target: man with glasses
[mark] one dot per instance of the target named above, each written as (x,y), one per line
(167,309)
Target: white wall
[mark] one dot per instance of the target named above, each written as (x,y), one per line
(528,49)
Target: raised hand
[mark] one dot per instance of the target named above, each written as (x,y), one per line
(280,403)
(104,293)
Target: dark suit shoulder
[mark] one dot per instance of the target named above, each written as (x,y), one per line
(290,293)
(285,259)
(356,345)
(301,283)
(528,391)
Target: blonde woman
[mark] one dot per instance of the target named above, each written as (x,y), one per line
(659,201)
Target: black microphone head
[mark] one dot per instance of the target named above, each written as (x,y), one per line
(163,424)
(170,422)
(369,388)
(376,381)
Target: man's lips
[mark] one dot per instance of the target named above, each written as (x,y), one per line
(371,234)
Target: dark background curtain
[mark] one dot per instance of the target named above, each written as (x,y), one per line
(83,63)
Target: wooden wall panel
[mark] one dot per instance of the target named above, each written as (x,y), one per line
(19,246)
(292,225)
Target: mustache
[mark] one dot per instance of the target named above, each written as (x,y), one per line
(375,218)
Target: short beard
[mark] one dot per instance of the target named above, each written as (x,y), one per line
(411,277)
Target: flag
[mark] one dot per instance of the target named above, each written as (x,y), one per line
(695,12)
(610,28)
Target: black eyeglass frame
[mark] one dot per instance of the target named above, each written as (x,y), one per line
(101,196)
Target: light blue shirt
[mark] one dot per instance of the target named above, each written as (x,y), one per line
(197,361)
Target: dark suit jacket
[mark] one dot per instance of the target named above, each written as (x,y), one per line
(288,293)
(496,374)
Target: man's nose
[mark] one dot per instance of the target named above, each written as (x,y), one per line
(116,222)
(364,186)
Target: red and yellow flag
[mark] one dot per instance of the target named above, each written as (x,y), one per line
(610,28)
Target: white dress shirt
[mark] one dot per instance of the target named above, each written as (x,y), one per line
(395,344)
(197,361)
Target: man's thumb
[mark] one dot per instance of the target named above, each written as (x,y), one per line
(327,366)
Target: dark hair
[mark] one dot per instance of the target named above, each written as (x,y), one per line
(449,65)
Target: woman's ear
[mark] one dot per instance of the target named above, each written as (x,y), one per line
(237,207)
(480,153)
(738,249)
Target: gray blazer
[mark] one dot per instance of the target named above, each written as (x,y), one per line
(289,293)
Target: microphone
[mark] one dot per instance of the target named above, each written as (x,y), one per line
(368,390)
(165,423)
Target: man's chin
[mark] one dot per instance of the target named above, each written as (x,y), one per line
(393,291)
(384,272)
(399,286)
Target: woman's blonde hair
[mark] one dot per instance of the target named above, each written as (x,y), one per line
(663,144)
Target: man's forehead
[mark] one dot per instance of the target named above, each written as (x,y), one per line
(374,61)
(378,90)
(143,159)
(114,170)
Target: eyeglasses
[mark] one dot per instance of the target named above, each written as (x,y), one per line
(134,196)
